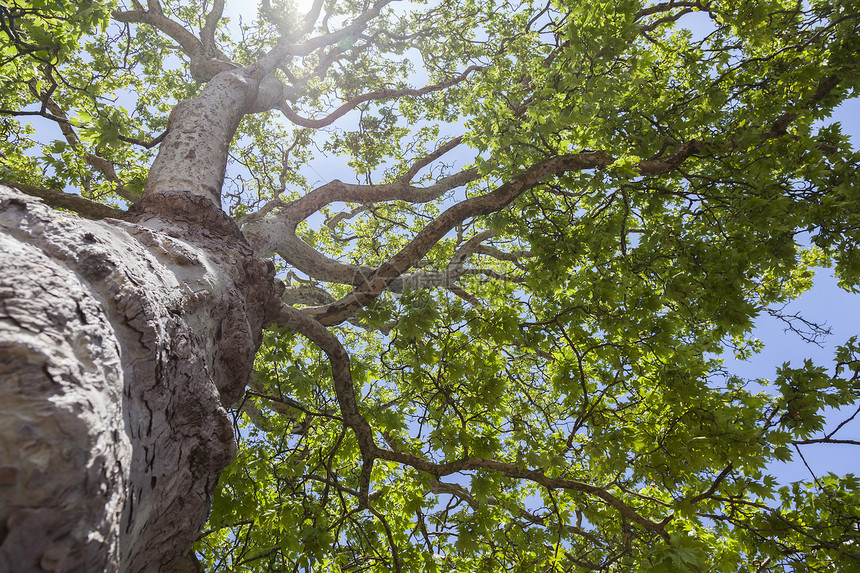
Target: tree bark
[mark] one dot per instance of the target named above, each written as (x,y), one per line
(121,343)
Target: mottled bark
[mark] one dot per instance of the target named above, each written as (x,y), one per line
(120,344)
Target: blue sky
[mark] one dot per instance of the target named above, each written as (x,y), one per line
(824,304)
(828,304)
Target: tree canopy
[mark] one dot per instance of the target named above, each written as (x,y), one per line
(501,346)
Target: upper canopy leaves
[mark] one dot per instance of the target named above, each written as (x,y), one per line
(562,214)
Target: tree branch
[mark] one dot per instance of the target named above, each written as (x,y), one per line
(207,33)
(372,96)
(510,470)
(336,190)
(206,60)
(345,393)
(156,18)
(438,487)
(278,233)
(710,491)
(80,205)
(100,163)
(436,229)
(342,377)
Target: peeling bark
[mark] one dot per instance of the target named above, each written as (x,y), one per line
(120,344)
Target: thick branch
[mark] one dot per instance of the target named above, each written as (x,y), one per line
(501,255)
(429,158)
(685,8)
(337,190)
(311,17)
(435,230)
(80,205)
(155,18)
(711,490)
(658,166)
(341,375)
(391,271)
(278,233)
(285,48)
(207,34)
(665,7)
(206,60)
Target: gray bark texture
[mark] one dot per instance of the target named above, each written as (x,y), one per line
(121,341)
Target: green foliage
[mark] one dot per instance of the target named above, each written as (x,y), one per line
(573,365)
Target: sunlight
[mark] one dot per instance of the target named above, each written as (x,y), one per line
(303,6)
(248,9)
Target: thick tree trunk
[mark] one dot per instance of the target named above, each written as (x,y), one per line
(120,344)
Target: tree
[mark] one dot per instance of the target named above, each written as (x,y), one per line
(498,349)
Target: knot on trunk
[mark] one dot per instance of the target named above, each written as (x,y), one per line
(249,297)
(203,68)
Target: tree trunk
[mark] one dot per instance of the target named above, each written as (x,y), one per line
(120,344)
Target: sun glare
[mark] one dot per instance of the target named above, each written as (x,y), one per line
(303,6)
(248,9)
